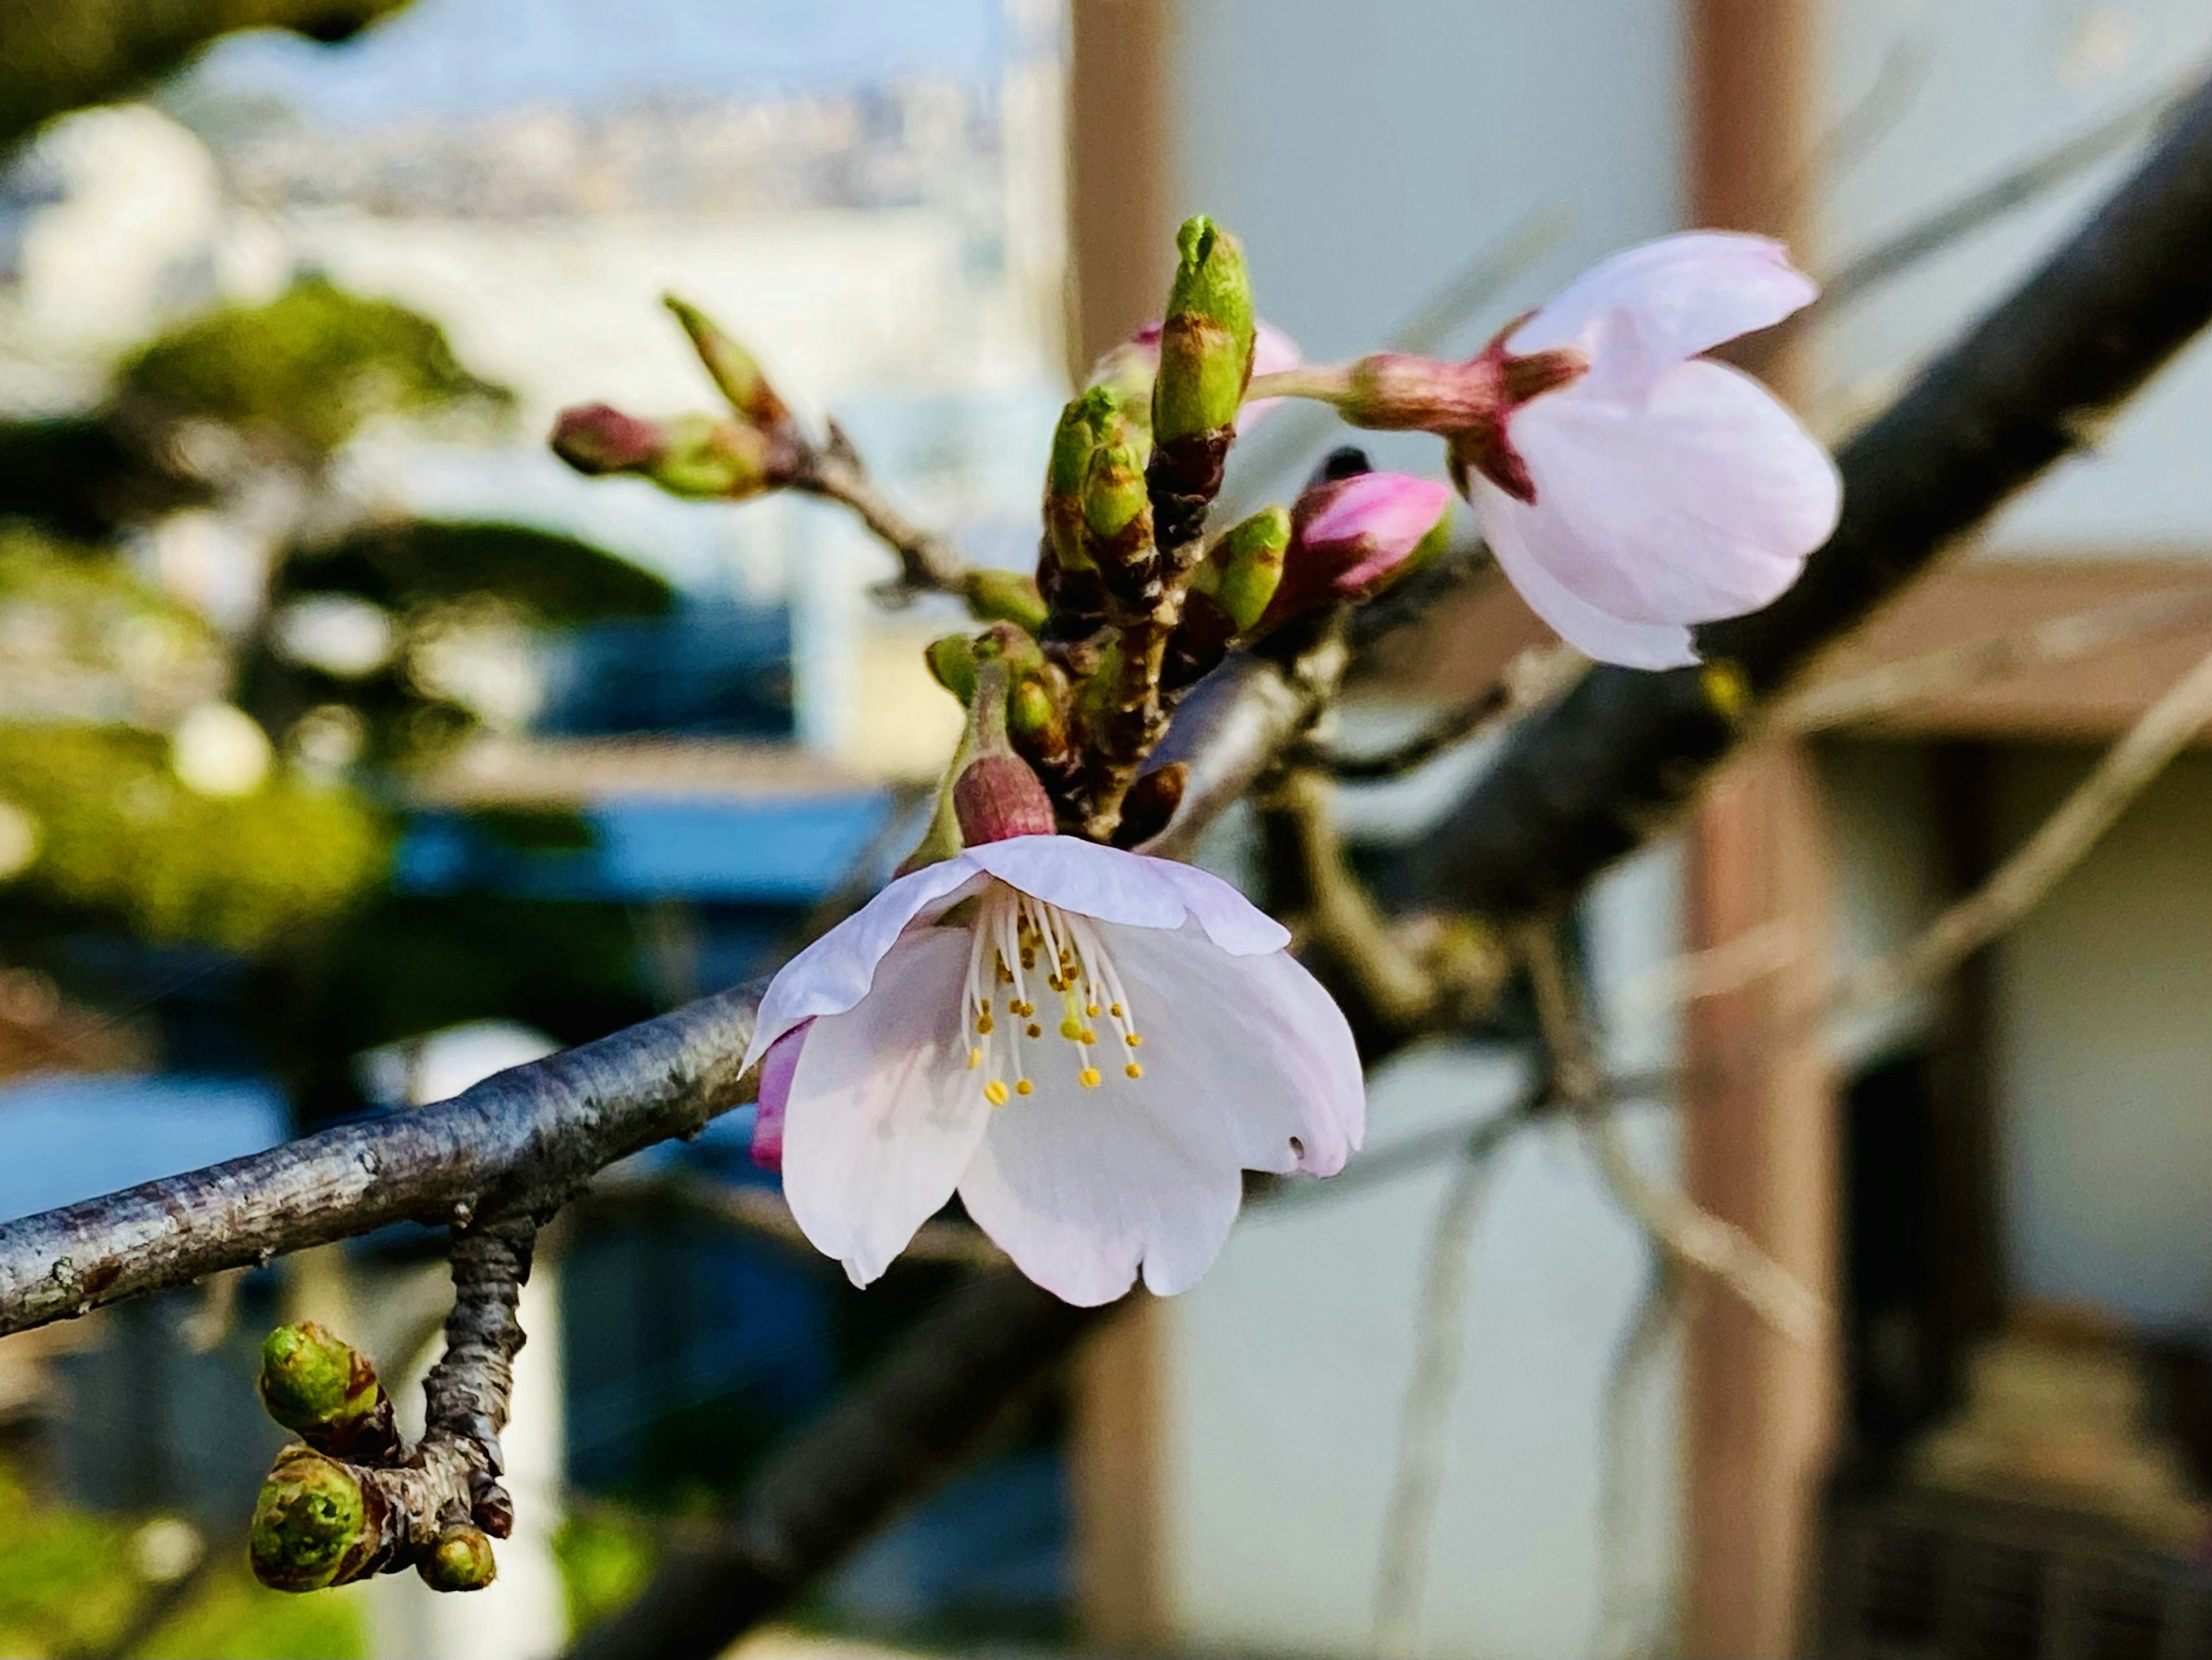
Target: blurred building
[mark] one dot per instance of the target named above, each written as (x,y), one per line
(1945,1169)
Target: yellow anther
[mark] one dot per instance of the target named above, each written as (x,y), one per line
(984,1004)
(975,1059)
(1133,1040)
(1072,1030)
(1035,1030)
(995,1093)
(1115,1011)
(1088,1078)
(1023,1087)
(1134,1070)
(1092,1009)
(985,1025)
(1089,1036)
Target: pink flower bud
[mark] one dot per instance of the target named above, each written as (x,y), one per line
(596,438)
(998,797)
(1351,536)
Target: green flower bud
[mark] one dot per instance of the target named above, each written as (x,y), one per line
(1205,342)
(692,455)
(311,1380)
(953,661)
(1005,596)
(1073,441)
(1113,494)
(308,1522)
(1242,569)
(736,372)
(462,1559)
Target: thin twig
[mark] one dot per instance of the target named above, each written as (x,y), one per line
(2045,645)
(1439,1355)
(928,562)
(1341,916)
(1534,676)
(1689,1234)
(764,1213)
(2058,844)
(1621,1632)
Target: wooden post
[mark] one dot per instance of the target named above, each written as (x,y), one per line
(1759,1127)
(1120,229)
(1121,255)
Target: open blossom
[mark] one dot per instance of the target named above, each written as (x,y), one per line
(1089,1045)
(1630,487)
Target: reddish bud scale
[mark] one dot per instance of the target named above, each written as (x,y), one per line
(999,797)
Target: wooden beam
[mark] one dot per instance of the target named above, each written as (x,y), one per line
(1760,1115)
(1120,195)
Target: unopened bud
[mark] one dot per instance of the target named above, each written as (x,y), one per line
(1116,508)
(736,372)
(952,662)
(1471,404)
(1243,569)
(1150,803)
(1081,425)
(999,796)
(598,437)
(462,1559)
(308,1523)
(1032,715)
(1005,596)
(326,1391)
(1205,340)
(691,455)
(1353,536)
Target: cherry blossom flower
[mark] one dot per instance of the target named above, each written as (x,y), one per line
(1089,1045)
(1629,487)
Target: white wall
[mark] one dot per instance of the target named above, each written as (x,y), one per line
(1984,85)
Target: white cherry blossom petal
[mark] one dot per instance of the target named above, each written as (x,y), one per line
(1231,921)
(1701,503)
(1253,1037)
(1684,294)
(834,973)
(882,1116)
(1106,883)
(1523,541)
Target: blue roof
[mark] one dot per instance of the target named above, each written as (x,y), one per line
(778,851)
(66,1139)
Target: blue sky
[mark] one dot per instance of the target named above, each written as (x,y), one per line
(454,57)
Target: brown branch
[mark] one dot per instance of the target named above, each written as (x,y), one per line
(928,562)
(542,1127)
(357,1500)
(1535,676)
(2049,644)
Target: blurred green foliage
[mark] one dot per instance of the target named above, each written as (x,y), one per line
(66,1588)
(605,1559)
(119,833)
(555,580)
(303,371)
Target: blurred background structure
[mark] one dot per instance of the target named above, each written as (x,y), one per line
(351,749)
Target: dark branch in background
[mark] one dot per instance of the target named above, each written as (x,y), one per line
(58,55)
(1599,773)
(545,1127)
(884,1445)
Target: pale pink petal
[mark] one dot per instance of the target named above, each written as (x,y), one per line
(883,1113)
(1231,921)
(778,1067)
(834,973)
(1081,1187)
(1081,876)
(1247,1064)
(1254,1036)
(1395,510)
(1273,351)
(1700,503)
(1683,294)
(1515,534)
